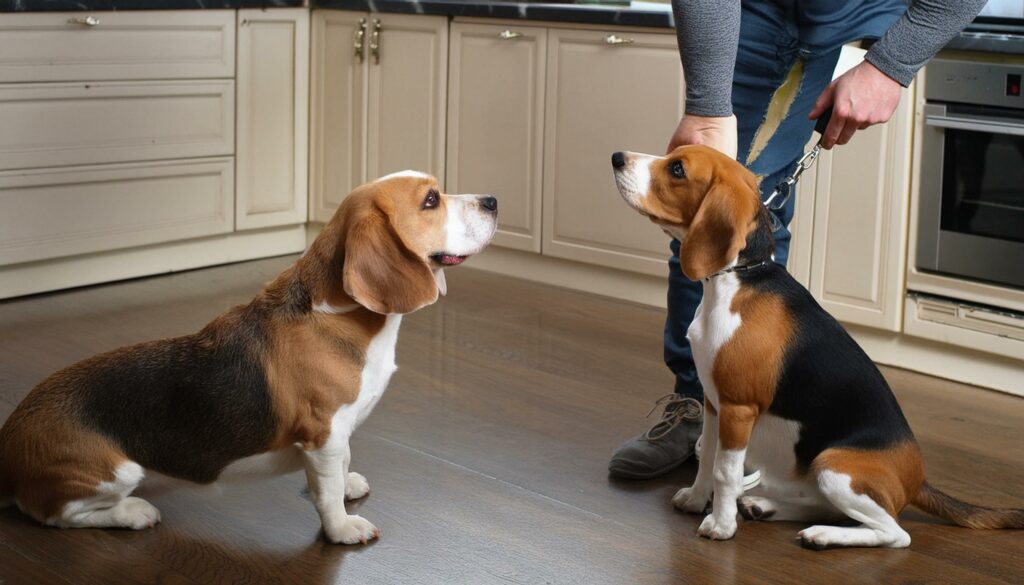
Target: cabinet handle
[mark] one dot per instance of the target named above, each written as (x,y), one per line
(508,34)
(358,44)
(617,40)
(86,21)
(375,41)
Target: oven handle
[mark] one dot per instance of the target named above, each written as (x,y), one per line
(991,125)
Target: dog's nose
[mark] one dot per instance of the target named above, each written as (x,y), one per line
(489,203)
(618,160)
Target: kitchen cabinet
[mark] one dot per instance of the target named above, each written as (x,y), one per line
(859,240)
(379,100)
(496,123)
(606,91)
(273,118)
(118,132)
(118,152)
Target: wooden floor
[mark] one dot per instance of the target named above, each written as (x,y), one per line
(487,458)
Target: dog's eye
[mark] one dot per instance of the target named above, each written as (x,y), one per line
(676,168)
(432,200)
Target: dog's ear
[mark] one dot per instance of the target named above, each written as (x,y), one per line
(380,272)
(717,232)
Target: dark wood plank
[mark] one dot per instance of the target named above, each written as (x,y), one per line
(487,457)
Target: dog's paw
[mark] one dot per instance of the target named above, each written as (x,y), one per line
(756,508)
(817,537)
(691,501)
(717,528)
(356,486)
(353,530)
(136,513)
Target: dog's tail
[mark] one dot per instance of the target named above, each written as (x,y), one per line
(945,506)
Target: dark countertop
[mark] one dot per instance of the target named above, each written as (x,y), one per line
(638,14)
(109,5)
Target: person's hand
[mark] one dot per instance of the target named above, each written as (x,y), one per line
(717,132)
(861,97)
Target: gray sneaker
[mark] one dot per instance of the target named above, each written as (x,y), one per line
(666,446)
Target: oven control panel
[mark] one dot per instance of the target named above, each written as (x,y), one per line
(975,82)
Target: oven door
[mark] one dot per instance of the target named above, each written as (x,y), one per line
(971,220)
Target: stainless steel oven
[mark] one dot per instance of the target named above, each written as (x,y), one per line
(971,214)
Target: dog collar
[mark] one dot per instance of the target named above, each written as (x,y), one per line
(742,268)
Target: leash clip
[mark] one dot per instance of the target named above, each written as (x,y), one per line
(786,187)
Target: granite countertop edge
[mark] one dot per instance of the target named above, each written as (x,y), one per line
(644,16)
(132,5)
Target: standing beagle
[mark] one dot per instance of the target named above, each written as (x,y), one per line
(279,383)
(785,387)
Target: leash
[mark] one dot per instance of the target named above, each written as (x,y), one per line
(786,188)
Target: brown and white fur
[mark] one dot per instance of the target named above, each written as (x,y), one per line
(786,388)
(282,380)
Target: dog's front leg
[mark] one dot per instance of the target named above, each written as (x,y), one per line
(735,425)
(694,499)
(327,473)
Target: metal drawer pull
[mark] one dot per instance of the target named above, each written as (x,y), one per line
(508,34)
(86,21)
(358,44)
(617,40)
(375,41)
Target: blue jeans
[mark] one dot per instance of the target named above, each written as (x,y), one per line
(770,47)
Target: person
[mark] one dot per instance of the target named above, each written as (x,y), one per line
(757,75)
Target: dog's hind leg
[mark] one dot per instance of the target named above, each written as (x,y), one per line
(110,506)
(878,527)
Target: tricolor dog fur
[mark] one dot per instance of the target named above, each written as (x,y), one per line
(785,387)
(277,384)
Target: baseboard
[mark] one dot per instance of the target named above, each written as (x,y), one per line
(610,282)
(942,360)
(49,275)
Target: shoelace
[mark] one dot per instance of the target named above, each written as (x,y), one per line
(677,409)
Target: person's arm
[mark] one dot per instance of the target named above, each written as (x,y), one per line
(708,34)
(869,93)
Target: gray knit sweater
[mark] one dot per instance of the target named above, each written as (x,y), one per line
(708,32)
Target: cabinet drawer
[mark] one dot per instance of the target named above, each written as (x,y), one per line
(74,124)
(65,46)
(62,212)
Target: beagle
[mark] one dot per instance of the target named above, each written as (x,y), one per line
(277,384)
(785,387)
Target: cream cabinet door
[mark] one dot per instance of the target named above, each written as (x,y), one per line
(338,104)
(606,91)
(496,123)
(860,224)
(273,117)
(407,94)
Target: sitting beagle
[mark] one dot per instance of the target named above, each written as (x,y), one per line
(280,383)
(785,387)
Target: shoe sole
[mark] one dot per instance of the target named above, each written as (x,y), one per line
(625,474)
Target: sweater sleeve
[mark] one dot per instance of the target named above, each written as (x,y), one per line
(926,27)
(708,32)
